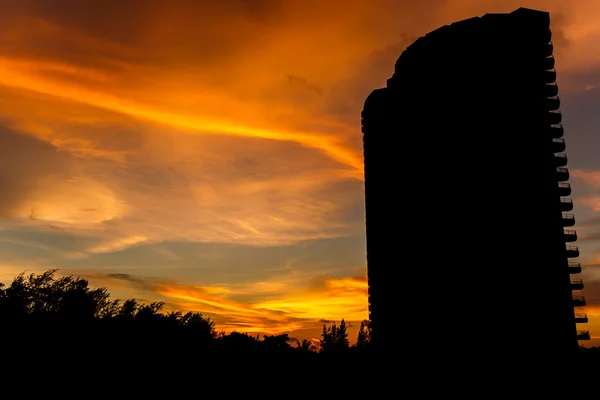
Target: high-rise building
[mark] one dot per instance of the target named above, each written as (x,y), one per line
(469,236)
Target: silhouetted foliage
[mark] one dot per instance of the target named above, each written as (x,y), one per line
(51,316)
(364,335)
(306,346)
(239,341)
(334,338)
(277,342)
(65,311)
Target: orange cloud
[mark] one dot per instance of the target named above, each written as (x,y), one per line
(217,122)
(286,307)
(590,178)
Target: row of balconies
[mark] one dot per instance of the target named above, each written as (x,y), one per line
(568,220)
(566,204)
(550,76)
(547,50)
(560,161)
(564,188)
(553,103)
(556,131)
(551,90)
(558,145)
(554,117)
(576,284)
(579,301)
(570,236)
(572,251)
(574,267)
(581,318)
(562,174)
(548,62)
(583,335)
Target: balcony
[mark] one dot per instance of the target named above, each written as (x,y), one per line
(576,284)
(564,189)
(554,117)
(583,335)
(579,301)
(570,236)
(581,318)
(572,252)
(574,268)
(562,175)
(549,63)
(566,205)
(553,103)
(548,49)
(550,76)
(568,220)
(560,159)
(557,131)
(551,90)
(558,145)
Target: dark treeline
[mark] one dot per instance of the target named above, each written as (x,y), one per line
(55,312)
(45,317)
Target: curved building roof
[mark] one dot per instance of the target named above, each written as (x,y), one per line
(520,20)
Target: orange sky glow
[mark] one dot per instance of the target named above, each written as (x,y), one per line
(209,154)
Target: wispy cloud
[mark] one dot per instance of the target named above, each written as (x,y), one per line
(295,306)
(130,125)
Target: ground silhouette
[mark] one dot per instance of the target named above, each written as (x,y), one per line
(62,323)
(66,311)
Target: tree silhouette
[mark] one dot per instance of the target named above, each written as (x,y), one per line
(39,295)
(334,338)
(238,342)
(277,342)
(66,311)
(306,346)
(342,337)
(364,335)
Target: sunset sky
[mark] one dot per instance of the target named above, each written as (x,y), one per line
(208,154)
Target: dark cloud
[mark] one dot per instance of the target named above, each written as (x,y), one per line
(145,31)
(591,292)
(264,10)
(24,162)
(41,244)
(144,283)
(299,83)
(124,277)
(234,264)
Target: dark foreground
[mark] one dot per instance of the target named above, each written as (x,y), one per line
(53,326)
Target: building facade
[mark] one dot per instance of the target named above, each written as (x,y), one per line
(469,236)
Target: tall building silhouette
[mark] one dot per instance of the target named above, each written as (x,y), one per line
(469,238)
